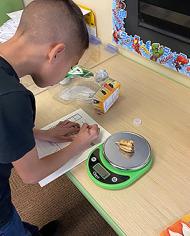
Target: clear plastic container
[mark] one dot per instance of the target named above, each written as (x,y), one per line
(78,90)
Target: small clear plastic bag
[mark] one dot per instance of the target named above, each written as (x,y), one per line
(79,89)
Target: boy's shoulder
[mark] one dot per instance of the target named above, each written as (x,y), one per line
(9,80)
(12,92)
(9,83)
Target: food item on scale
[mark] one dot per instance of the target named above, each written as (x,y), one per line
(126,145)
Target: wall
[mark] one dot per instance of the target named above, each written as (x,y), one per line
(103,12)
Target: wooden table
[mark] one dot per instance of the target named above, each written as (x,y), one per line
(162,195)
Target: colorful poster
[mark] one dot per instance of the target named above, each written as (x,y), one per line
(151,50)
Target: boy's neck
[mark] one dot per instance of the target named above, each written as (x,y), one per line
(18,55)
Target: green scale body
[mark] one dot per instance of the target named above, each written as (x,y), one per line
(107,176)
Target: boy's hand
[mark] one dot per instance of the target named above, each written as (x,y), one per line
(85,137)
(64,131)
(32,169)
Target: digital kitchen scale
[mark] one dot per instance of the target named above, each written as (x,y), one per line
(110,168)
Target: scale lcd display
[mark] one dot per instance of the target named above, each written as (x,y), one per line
(101,171)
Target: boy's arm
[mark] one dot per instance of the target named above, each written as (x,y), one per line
(31,169)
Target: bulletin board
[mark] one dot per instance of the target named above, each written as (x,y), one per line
(7,6)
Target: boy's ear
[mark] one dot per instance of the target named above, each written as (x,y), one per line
(55,52)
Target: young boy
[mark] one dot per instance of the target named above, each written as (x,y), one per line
(50,39)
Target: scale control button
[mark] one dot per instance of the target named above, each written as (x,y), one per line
(93,159)
(114,179)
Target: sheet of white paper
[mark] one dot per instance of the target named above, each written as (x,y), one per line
(45,148)
(8,29)
(85,12)
(15,14)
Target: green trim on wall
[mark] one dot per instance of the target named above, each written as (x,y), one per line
(7,6)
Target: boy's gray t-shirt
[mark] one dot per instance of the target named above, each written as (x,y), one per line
(17,114)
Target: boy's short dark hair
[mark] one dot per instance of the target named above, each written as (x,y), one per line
(79,20)
(55,20)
